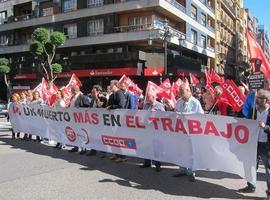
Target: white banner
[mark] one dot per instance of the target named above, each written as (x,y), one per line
(195,141)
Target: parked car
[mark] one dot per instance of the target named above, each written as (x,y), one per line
(3,108)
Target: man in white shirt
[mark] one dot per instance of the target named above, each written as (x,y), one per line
(263,118)
(187,104)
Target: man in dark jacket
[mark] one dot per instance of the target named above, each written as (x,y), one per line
(117,100)
(263,118)
(78,100)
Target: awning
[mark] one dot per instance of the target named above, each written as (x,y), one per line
(129,71)
(26,76)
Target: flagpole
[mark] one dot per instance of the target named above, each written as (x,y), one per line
(254,103)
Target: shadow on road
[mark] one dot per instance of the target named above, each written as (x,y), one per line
(130,175)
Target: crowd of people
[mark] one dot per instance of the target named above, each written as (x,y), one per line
(190,100)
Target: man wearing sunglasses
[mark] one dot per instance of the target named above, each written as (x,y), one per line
(262,115)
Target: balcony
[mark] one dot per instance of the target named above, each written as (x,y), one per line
(112,7)
(23,17)
(229,7)
(177,5)
(210,28)
(208,6)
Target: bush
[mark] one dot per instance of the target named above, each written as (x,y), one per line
(57,38)
(57,68)
(4,69)
(36,48)
(41,35)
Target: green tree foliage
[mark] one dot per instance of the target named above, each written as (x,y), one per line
(57,68)
(44,45)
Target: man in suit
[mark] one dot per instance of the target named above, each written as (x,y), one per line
(78,100)
(262,115)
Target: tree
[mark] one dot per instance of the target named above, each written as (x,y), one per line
(5,69)
(44,46)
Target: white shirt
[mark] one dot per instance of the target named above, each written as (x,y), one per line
(192,106)
(72,102)
(262,117)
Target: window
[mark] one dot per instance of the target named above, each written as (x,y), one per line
(193,12)
(70,30)
(70,5)
(193,36)
(47,11)
(95,27)
(139,22)
(203,41)
(203,19)
(3,17)
(94,3)
(3,40)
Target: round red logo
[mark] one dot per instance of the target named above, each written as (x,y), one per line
(71,135)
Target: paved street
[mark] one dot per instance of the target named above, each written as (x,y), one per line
(30,170)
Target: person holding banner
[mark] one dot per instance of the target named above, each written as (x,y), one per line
(60,102)
(187,104)
(78,100)
(36,100)
(153,105)
(15,99)
(262,114)
(117,100)
(97,101)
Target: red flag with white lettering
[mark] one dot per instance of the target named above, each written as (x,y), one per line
(74,80)
(216,78)
(176,86)
(234,95)
(132,87)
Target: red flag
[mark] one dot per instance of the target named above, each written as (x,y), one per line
(193,79)
(210,89)
(132,87)
(234,96)
(256,52)
(74,80)
(153,88)
(208,77)
(176,86)
(166,84)
(216,78)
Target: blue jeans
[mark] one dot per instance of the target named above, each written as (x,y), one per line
(264,153)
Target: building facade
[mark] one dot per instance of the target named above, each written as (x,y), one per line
(107,38)
(231,45)
(263,39)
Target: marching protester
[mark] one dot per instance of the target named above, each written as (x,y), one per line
(187,104)
(98,101)
(262,115)
(117,100)
(36,100)
(15,99)
(151,104)
(78,100)
(61,103)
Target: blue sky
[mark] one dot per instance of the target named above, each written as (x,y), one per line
(261,10)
